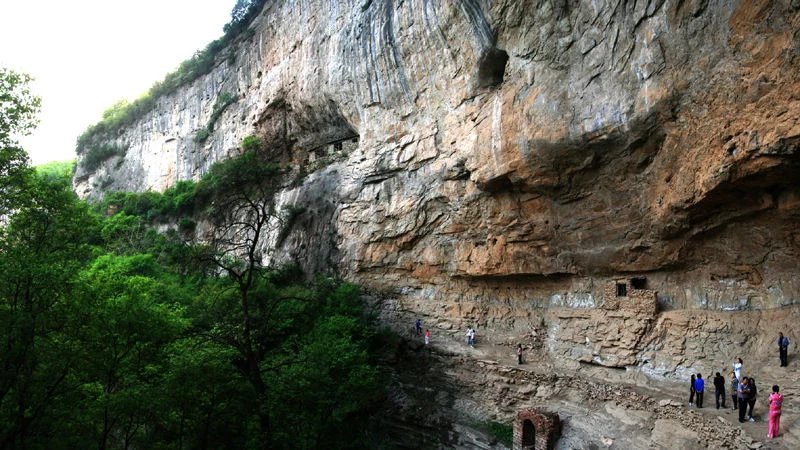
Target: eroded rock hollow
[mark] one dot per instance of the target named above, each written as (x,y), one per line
(612,183)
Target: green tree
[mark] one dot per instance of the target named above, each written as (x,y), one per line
(18,117)
(241,193)
(42,245)
(128,320)
(325,380)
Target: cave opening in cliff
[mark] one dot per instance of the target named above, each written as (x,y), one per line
(492,67)
(528,435)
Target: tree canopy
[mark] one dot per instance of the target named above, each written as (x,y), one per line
(117,334)
(18,117)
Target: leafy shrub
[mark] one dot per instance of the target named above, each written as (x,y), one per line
(202,135)
(181,197)
(186,225)
(252,144)
(502,432)
(223,101)
(57,169)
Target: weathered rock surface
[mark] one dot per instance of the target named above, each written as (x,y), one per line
(501,162)
(521,150)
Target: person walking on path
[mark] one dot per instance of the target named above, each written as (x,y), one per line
(699,387)
(751,401)
(519,353)
(427,336)
(719,389)
(734,390)
(418,327)
(775,402)
(470,336)
(783,349)
(737,368)
(691,390)
(744,395)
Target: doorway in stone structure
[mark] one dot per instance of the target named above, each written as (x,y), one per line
(528,435)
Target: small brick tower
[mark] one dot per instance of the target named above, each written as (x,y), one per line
(536,430)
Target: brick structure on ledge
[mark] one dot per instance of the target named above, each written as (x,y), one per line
(536,430)
(629,295)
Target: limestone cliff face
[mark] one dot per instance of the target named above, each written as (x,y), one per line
(514,154)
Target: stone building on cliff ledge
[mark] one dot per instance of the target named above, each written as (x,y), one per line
(629,294)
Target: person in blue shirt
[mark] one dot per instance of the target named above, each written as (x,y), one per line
(734,390)
(699,386)
(783,348)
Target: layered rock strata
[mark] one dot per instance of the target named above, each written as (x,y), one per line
(519,150)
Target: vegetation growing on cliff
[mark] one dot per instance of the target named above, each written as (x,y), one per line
(224,99)
(117,336)
(124,113)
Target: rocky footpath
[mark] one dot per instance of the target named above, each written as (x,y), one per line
(619,378)
(446,392)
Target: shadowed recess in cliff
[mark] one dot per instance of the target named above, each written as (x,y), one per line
(518,279)
(738,198)
(305,127)
(492,67)
(570,169)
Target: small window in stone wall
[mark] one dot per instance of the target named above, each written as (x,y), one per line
(639,283)
(622,290)
(337,146)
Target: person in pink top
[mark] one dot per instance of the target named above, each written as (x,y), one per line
(775,402)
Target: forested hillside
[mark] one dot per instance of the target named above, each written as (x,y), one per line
(115,335)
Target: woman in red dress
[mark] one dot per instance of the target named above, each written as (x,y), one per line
(775,402)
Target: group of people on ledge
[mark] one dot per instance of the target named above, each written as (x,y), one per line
(743,391)
(470,338)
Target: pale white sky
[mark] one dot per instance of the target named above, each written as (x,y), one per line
(87,54)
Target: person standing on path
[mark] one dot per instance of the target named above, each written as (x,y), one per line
(744,395)
(418,327)
(737,368)
(427,336)
(691,390)
(775,402)
(719,389)
(751,401)
(470,336)
(519,353)
(734,390)
(699,387)
(783,349)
